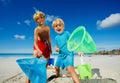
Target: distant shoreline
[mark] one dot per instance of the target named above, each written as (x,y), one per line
(106,52)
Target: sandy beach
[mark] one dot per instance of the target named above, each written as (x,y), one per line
(105,69)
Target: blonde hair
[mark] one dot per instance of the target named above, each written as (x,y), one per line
(37,15)
(58,21)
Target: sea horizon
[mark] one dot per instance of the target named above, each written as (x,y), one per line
(6,55)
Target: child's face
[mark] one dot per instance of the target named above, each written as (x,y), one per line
(59,28)
(41,20)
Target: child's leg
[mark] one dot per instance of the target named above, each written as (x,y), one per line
(47,66)
(57,69)
(27,80)
(73,74)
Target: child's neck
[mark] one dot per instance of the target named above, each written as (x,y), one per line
(42,25)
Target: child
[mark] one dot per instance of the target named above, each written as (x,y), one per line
(65,58)
(42,43)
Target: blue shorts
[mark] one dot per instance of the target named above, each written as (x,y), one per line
(65,60)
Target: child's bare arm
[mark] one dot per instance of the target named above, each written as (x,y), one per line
(35,42)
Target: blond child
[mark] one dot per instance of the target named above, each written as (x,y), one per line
(65,58)
(42,43)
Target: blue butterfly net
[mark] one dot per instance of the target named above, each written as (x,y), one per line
(34,68)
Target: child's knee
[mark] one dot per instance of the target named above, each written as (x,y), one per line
(57,71)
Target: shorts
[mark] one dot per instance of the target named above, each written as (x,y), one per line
(44,47)
(64,62)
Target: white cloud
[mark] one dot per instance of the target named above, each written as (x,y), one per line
(21,37)
(27,22)
(35,9)
(111,21)
(50,18)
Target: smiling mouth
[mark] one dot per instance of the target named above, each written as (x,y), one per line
(59,30)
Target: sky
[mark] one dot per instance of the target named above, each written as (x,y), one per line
(101,18)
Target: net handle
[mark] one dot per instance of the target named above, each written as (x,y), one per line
(82,60)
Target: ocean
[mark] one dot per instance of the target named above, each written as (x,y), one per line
(25,55)
(14,55)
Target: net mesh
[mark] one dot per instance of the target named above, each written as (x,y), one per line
(34,68)
(81,41)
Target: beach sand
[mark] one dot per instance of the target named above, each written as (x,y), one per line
(105,69)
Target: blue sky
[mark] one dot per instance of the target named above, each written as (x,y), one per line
(100,17)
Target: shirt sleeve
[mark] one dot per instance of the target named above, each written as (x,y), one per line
(68,34)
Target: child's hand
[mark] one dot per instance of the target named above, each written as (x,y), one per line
(57,49)
(39,53)
(80,54)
